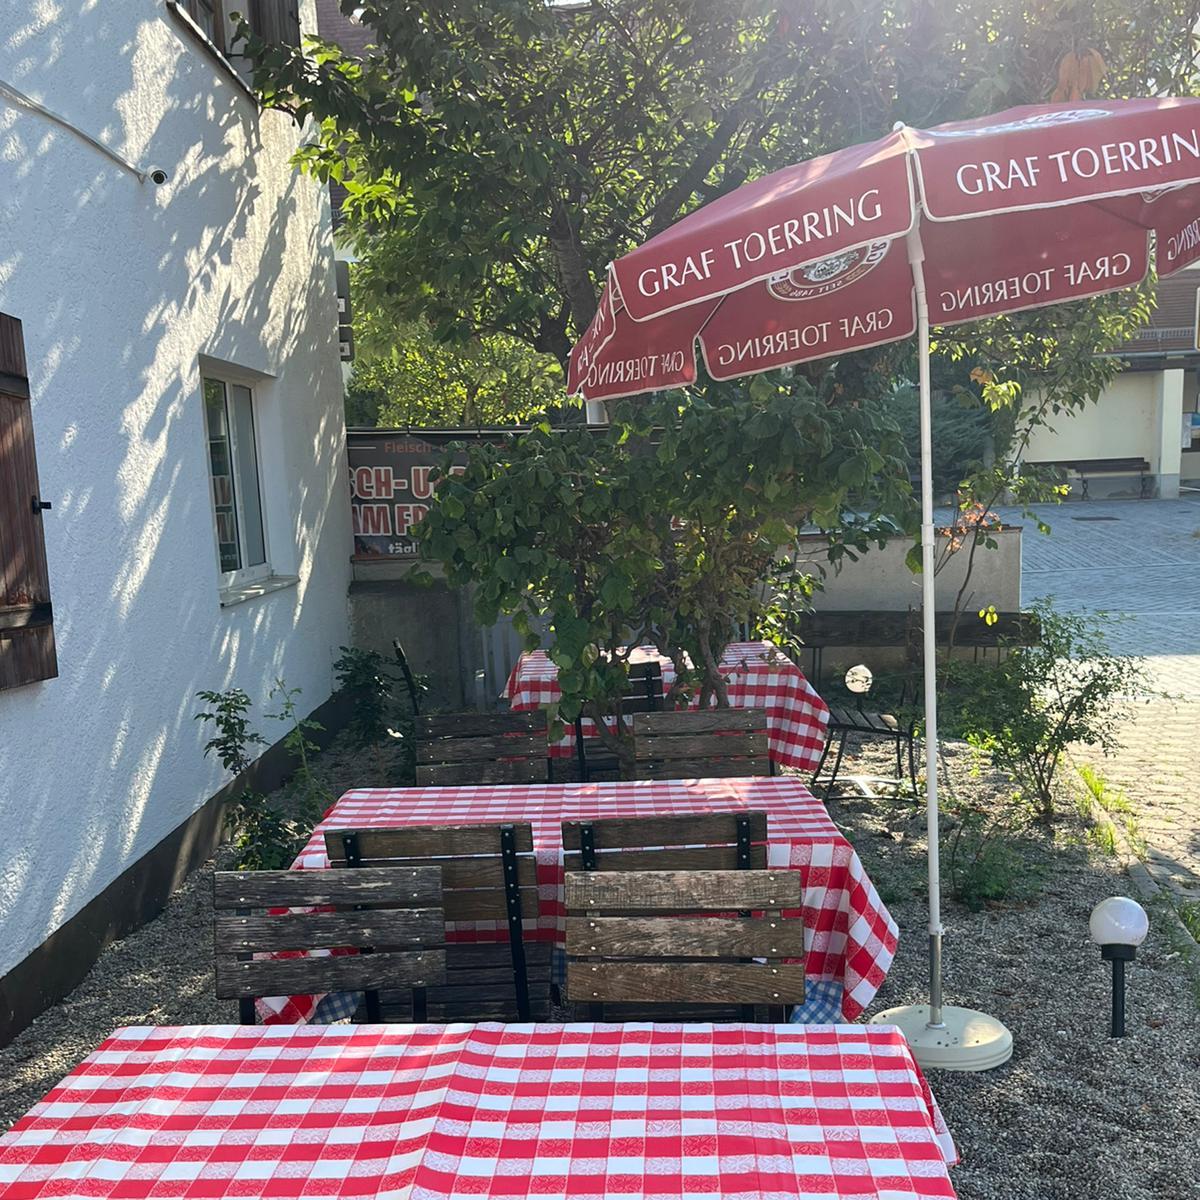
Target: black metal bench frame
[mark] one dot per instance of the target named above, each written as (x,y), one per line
(1085,467)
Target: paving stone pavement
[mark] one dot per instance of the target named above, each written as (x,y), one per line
(1140,561)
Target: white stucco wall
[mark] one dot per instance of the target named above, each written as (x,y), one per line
(122,287)
(1121,424)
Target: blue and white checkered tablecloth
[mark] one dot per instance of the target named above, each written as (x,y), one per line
(822,1005)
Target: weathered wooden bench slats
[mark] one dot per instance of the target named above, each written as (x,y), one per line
(394,912)
(699,891)
(687,983)
(692,829)
(323,931)
(685,937)
(695,858)
(422,888)
(487,873)
(426,841)
(465,748)
(868,627)
(719,742)
(329,973)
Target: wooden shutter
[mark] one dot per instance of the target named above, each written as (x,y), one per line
(276,20)
(26,620)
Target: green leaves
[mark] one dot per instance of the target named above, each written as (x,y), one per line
(661,527)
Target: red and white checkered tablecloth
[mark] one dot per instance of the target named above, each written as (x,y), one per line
(849,935)
(757,674)
(337,1112)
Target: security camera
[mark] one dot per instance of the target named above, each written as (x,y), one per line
(158,176)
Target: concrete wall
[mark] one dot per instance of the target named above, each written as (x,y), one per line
(1121,424)
(122,288)
(434,625)
(1138,415)
(880,579)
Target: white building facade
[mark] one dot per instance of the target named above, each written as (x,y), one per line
(1149,412)
(183,371)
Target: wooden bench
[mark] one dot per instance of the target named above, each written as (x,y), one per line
(644,694)
(458,748)
(701,744)
(629,942)
(393,913)
(725,841)
(487,874)
(818,631)
(1085,467)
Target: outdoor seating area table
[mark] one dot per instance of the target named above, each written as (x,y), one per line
(757,674)
(361,1112)
(850,937)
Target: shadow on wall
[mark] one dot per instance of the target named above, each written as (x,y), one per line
(120,286)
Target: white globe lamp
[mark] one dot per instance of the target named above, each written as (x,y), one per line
(1118,926)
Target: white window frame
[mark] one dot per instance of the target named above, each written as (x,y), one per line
(243,576)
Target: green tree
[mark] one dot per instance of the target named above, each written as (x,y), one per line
(661,527)
(404,376)
(499,153)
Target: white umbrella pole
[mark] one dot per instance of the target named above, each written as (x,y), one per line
(916,257)
(953,1038)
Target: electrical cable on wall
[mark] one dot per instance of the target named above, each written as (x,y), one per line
(18,97)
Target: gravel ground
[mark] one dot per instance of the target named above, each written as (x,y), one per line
(1075,1115)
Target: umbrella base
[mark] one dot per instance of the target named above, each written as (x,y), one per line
(967,1041)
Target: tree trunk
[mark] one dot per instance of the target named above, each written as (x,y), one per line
(573,270)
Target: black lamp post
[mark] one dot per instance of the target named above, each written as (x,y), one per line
(1118,926)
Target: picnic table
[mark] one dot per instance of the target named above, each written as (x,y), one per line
(432,1112)
(757,674)
(850,937)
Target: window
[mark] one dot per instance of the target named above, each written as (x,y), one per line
(233,468)
(272,20)
(208,16)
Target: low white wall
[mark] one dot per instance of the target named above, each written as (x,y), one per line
(880,579)
(122,287)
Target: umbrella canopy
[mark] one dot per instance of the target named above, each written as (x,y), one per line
(1032,206)
(876,242)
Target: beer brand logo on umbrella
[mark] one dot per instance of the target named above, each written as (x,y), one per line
(827,274)
(1038,121)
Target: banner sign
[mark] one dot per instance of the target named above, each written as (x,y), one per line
(390,484)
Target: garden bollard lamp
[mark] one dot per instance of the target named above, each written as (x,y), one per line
(1118,926)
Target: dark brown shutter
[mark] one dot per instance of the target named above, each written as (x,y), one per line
(26,620)
(276,20)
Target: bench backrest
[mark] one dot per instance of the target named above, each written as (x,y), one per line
(487,873)
(698,744)
(472,861)
(395,913)
(688,842)
(864,627)
(629,942)
(457,748)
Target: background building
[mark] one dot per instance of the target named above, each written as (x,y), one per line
(174,278)
(1148,410)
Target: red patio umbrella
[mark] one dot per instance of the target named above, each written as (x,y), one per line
(876,242)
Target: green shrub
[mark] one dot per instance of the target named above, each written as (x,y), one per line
(361,676)
(265,836)
(1028,708)
(988,851)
